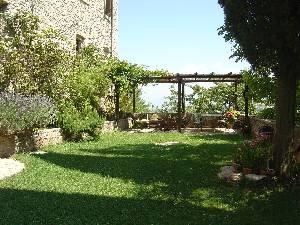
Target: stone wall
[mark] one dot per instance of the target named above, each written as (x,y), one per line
(108,126)
(191,120)
(257,124)
(7,145)
(10,144)
(73,18)
(47,137)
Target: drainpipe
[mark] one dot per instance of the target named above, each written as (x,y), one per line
(112,27)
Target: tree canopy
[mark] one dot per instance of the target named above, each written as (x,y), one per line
(267,34)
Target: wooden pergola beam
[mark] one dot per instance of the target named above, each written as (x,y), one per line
(194,78)
(179,105)
(181,80)
(191,81)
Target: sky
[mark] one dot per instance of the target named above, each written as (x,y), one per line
(175,35)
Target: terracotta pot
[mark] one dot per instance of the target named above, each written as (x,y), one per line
(230,125)
(247,170)
(236,167)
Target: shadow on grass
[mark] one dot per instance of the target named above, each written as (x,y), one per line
(182,168)
(31,207)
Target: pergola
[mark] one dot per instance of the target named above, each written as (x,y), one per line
(182,79)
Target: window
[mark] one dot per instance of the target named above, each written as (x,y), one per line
(86,2)
(106,51)
(79,42)
(3,6)
(108,7)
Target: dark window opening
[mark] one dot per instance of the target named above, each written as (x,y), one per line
(106,51)
(3,6)
(79,42)
(108,7)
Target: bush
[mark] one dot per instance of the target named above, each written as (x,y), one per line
(85,85)
(254,154)
(75,121)
(19,113)
(268,113)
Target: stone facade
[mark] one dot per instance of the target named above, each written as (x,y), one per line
(82,22)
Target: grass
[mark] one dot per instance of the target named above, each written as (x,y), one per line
(128,179)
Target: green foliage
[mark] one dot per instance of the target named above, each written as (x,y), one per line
(31,59)
(76,120)
(217,99)
(34,61)
(170,103)
(266,33)
(262,88)
(126,76)
(254,154)
(267,113)
(84,86)
(263,32)
(126,102)
(19,113)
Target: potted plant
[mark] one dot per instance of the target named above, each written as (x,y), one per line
(230,117)
(252,156)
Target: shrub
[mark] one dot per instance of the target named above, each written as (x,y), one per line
(75,121)
(85,85)
(19,113)
(254,154)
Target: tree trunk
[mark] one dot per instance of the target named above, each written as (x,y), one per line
(285,120)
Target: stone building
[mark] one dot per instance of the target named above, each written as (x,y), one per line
(83,22)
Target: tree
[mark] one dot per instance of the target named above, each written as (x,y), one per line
(266,33)
(216,99)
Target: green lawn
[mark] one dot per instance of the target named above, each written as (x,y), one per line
(128,179)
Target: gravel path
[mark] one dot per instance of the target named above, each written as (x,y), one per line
(9,167)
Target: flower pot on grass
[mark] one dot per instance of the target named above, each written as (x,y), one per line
(247,170)
(230,125)
(236,166)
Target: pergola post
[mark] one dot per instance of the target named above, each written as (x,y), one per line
(117,102)
(236,106)
(183,98)
(246,98)
(179,104)
(134,100)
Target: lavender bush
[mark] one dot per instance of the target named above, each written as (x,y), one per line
(19,113)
